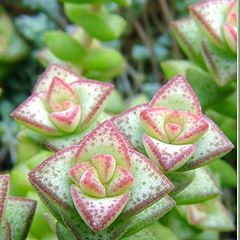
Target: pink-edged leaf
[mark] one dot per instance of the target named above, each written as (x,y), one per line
(93,97)
(222,66)
(230,33)
(177,127)
(19,214)
(55,70)
(105,165)
(32,113)
(212,145)
(210,16)
(91,185)
(121,181)
(177,94)
(77,171)
(5,230)
(59,92)
(68,119)
(129,124)
(153,122)
(168,157)
(149,215)
(149,185)
(98,213)
(4,184)
(52,177)
(189,38)
(202,188)
(211,215)
(232,12)
(105,139)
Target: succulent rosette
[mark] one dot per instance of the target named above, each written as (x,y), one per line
(102,188)
(63,107)
(209,38)
(174,133)
(16,213)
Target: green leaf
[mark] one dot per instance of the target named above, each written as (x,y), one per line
(118,101)
(19,213)
(81,1)
(64,46)
(227,173)
(63,233)
(102,59)
(203,187)
(101,25)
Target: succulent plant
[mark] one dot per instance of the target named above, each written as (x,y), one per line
(102,188)
(209,38)
(172,129)
(16,213)
(63,107)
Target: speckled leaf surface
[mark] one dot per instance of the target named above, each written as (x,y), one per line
(210,16)
(212,145)
(63,233)
(189,38)
(19,213)
(5,230)
(4,184)
(203,187)
(222,66)
(129,124)
(177,94)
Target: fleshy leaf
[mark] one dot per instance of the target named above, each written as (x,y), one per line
(19,214)
(210,16)
(147,177)
(168,157)
(91,185)
(222,66)
(4,184)
(177,94)
(59,92)
(129,124)
(212,145)
(105,165)
(63,233)
(5,230)
(32,113)
(93,95)
(189,38)
(105,139)
(120,182)
(98,213)
(77,171)
(55,70)
(68,119)
(202,188)
(149,215)
(210,215)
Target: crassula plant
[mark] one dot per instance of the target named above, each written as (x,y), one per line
(63,107)
(16,213)
(209,38)
(102,188)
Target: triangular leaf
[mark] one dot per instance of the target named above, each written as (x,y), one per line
(33,114)
(105,139)
(92,97)
(168,157)
(210,16)
(212,145)
(19,213)
(98,213)
(203,187)
(55,70)
(177,94)
(5,230)
(222,66)
(129,124)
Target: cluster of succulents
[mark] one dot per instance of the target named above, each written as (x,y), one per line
(112,177)
(83,49)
